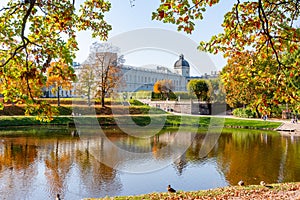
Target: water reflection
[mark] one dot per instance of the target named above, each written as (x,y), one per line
(39,163)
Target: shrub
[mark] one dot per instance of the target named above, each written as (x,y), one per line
(185,95)
(139,94)
(244,112)
(135,102)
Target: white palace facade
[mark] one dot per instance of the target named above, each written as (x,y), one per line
(139,78)
(143,78)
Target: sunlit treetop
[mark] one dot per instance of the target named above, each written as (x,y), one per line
(250,24)
(257,35)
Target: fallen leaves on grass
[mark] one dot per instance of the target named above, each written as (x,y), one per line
(279,191)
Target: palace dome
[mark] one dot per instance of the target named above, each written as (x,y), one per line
(181,62)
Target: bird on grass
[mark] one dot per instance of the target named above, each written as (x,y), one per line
(170,189)
(57,197)
(241,183)
(262,183)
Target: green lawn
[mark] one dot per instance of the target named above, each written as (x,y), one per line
(171,120)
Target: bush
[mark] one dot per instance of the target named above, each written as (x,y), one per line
(135,102)
(139,94)
(185,95)
(244,112)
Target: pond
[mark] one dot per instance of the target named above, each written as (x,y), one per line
(38,163)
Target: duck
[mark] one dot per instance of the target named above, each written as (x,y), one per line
(170,189)
(57,197)
(241,183)
(262,183)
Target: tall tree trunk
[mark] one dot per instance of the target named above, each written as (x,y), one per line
(257,112)
(89,96)
(102,98)
(58,96)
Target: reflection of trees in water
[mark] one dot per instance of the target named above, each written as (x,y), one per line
(250,156)
(180,164)
(194,154)
(58,163)
(19,159)
(290,153)
(17,167)
(96,177)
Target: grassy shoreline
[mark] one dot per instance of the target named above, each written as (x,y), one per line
(142,120)
(272,191)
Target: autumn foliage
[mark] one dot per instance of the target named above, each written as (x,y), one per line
(260,40)
(163,87)
(37,35)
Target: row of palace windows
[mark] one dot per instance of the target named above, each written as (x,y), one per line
(144,79)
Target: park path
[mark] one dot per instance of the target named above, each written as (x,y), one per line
(289,127)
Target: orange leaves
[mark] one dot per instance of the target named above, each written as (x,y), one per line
(163,86)
(161,14)
(59,74)
(157,87)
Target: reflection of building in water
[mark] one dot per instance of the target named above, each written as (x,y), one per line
(181,163)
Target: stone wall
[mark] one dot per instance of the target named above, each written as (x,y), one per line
(188,107)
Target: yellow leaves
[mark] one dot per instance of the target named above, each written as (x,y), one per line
(59,74)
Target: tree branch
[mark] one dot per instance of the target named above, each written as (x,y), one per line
(265,26)
(25,40)
(237,11)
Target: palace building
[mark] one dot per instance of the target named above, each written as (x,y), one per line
(144,78)
(139,78)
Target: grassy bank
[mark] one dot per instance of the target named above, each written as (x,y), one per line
(170,120)
(273,191)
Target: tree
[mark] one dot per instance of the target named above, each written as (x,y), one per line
(257,38)
(106,67)
(163,87)
(85,84)
(217,90)
(56,81)
(36,33)
(258,87)
(201,88)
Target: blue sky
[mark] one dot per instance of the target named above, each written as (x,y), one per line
(124,18)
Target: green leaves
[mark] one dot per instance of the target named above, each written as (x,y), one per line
(200,88)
